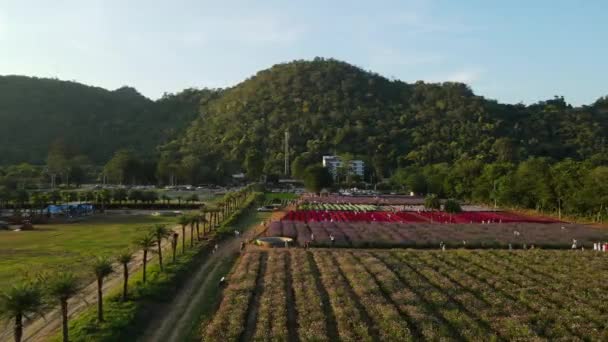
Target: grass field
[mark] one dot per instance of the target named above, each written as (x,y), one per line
(67,246)
(411,295)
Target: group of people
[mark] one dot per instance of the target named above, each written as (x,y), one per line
(600,246)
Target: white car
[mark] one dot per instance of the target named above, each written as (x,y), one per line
(267,208)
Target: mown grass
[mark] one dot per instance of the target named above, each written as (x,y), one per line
(67,246)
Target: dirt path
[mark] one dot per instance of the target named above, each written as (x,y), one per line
(41,329)
(174,323)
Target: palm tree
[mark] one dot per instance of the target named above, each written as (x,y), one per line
(207,212)
(160,232)
(145,242)
(102,267)
(125,258)
(20,301)
(62,287)
(203,220)
(174,239)
(183,220)
(192,222)
(197,218)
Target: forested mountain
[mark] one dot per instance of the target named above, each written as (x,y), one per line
(90,121)
(330,106)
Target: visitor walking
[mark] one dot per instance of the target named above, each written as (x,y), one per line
(331,237)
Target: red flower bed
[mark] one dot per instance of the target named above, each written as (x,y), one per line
(412,217)
(483,217)
(351,216)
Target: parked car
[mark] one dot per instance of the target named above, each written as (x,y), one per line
(267,208)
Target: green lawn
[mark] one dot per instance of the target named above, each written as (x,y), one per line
(280,195)
(67,246)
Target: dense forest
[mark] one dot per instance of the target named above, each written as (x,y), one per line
(436,138)
(36,113)
(330,106)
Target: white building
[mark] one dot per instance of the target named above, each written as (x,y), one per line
(333,163)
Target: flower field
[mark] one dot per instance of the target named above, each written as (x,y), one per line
(375,200)
(425,235)
(413,295)
(337,207)
(413,216)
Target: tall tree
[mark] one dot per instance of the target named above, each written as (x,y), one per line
(124,259)
(160,232)
(19,301)
(102,267)
(62,287)
(145,243)
(316,178)
(183,220)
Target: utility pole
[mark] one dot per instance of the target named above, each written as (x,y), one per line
(286,152)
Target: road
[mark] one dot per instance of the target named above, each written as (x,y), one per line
(175,322)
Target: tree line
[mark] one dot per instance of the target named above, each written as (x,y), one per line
(565,187)
(90,121)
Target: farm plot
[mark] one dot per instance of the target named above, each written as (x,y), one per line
(425,235)
(413,216)
(351,216)
(482,217)
(374,200)
(338,207)
(413,295)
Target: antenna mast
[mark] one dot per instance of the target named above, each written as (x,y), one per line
(286,153)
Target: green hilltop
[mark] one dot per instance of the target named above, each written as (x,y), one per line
(329,106)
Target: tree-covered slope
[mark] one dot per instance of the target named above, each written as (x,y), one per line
(330,106)
(35,112)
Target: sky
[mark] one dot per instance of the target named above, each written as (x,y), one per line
(512,51)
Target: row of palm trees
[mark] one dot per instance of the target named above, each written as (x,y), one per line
(33,297)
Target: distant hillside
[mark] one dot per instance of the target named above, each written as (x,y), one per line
(35,112)
(327,106)
(330,106)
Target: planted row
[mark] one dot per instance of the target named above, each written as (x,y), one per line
(272,311)
(228,322)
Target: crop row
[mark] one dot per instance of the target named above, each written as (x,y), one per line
(342,213)
(312,324)
(271,321)
(424,235)
(227,324)
(338,207)
(401,295)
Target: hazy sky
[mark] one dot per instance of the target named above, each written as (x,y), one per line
(505,49)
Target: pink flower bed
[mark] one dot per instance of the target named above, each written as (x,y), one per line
(351,216)
(427,235)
